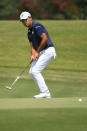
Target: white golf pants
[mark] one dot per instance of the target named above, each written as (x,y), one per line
(37,66)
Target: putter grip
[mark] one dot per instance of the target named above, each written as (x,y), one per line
(31,61)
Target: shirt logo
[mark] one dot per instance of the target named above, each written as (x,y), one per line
(29,31)
(32,32)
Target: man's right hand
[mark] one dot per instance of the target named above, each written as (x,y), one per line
(35,56)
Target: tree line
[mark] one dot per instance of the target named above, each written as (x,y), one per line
(44,9)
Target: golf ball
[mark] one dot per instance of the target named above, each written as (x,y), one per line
(80,100)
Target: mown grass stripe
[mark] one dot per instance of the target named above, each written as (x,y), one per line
(28,103)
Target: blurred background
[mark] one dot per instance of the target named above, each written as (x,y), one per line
(44,9)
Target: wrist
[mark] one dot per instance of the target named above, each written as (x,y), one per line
(38,50)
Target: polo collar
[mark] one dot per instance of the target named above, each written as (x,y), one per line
(32,25)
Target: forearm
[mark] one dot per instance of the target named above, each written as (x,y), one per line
(34,53)
(43,42)
(32,49)
(42,45)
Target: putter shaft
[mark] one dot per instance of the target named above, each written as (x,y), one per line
(20,75)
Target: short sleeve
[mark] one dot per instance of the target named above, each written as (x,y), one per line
(39,30)
(29,37)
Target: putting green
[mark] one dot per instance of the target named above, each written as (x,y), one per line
(27,103)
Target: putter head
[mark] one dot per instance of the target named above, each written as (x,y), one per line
(8,87)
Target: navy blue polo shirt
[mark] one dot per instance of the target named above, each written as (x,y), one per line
(34,35)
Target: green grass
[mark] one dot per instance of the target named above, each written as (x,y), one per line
(29,103)
(44,119)
(27,114)
(66,78)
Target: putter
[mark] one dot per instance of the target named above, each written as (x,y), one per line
(18,77)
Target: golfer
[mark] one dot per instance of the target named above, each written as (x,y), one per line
(42,52)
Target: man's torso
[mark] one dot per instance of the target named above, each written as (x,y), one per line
(34,35)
